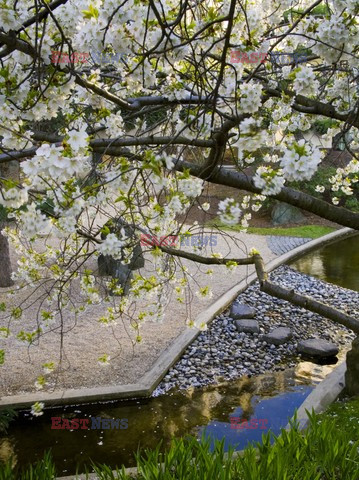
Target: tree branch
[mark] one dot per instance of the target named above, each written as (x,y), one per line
(12,43)
(230,178)
(205,260)
(302,300)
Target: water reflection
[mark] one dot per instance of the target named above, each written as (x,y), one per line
(274,414)
(337,263)
(273,396)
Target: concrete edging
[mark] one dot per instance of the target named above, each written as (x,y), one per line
(171,354)
(323,395)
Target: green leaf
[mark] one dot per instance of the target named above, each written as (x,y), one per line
(92,12)
(16,313)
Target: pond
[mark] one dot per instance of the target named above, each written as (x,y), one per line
(337,263)
(271,399)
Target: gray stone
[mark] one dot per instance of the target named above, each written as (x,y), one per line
(137,261)
(317,347)
(283,213)
(108,266)
(278,336)
(247,326)
(122,273)
(239,311)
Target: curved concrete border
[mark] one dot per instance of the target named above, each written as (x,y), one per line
(172,353)
(323,395)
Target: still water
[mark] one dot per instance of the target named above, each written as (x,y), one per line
(337,263)
(271,397)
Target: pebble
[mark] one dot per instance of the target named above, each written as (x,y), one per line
(221,352)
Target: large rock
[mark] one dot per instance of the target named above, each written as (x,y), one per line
(107,266)
(247,326)
(317,347)
(352,372)
(115,268)
(283,213)
(137,260)
(278,336)
(239,311)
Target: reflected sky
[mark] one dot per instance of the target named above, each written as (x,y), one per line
(277,411)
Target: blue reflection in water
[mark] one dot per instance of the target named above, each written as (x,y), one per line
(277,410)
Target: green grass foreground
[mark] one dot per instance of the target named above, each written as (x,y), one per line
(326,451)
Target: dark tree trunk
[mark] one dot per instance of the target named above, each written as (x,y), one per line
(10,170)
(5,264)
(352,373)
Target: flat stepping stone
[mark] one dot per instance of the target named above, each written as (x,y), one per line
(247,326)
(239,311)
(278,336)
(316,347)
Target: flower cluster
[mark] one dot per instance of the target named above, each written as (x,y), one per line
(37,409)
(300,161)
(268,180)
(250,97)
(191,187)
(77,139)
(33,221)
(332,37)
(251,137)
(175,204)
(204,292)
(112,245)
(229,211)
(345,178)
(13,197)
(305,82)
(50,162)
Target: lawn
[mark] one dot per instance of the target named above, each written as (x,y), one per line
(307,231)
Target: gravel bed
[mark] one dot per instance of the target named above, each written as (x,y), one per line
(222,353)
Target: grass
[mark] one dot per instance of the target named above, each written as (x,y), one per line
(345,415)
(308,231)
(323,452)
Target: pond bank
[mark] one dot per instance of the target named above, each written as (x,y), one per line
(223,353)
